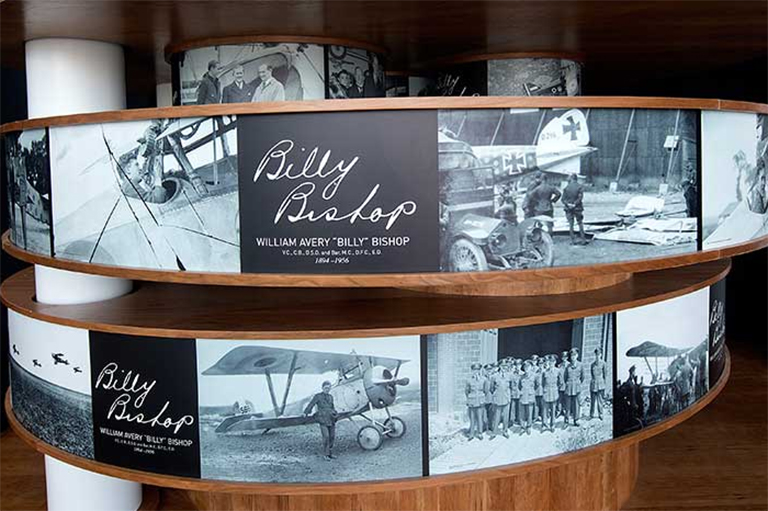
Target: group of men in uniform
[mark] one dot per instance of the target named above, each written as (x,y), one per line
(515,392)
(540,199)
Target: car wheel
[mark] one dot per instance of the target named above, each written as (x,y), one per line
(466,256)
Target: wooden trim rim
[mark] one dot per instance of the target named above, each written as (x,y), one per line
(386,280)
(172,311)
(416,103)
(334,489)
(173,48)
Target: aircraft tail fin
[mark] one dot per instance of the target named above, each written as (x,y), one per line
(564,132)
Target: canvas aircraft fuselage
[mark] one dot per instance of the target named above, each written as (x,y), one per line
(510,161)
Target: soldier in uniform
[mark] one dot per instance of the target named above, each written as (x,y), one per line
(501,395)
(544,198)
(539,402)
(562,402)
(574,377)
(527,395)
(573,203)
(529,205)
(684,382)
(475,392)
(488,409)
(514,385)
(508,208)
(325,417)
(550,380)
(599,374)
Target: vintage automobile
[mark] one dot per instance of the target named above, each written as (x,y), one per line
(473,238)
(479,243)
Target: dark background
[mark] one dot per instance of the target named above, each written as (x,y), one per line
(747,285)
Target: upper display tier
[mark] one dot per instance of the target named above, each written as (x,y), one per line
(359,191)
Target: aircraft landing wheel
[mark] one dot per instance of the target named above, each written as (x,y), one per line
(395,426)
(369,438)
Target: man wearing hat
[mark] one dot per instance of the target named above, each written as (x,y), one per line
(599,373)
(514,385)
(325,417)
(574,377)
(527,395)
(562,401)
(550,379)
(488,370)
(501,395)
(475,392)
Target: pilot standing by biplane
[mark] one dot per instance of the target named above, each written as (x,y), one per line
(325,417)
(573,203)
(475,392)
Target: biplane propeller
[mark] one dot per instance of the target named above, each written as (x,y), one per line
(364,383)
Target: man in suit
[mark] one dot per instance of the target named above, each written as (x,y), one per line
(270,89)
(502,396)
(238,91)
(599,374)
(209,90)
(325,417)
(550,380)
(574,377)
(373,86)
(474,389)
(355,90)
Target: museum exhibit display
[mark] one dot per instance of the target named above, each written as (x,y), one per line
(327,279)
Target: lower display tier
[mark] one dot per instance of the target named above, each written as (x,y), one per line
(356,409)
(599,477)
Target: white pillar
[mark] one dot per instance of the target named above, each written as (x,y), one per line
(64,77)
(164,95)
(73,76)
(74,489)
(60,287)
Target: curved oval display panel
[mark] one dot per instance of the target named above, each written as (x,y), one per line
(390,191)
(330,410)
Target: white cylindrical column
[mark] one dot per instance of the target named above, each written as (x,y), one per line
(164,95)
(73,76)
(70,488)
(65,77)
(61,287)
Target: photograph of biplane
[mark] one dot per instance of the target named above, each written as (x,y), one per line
(29,190)
(51,377)
(253,72)
(534,77)
(530,188)
(355,73)
(310,411)
(157,194)
(662,360)
(734,189)
(507,395)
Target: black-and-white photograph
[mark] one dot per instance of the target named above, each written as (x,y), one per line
(662,360)
(310,411)
(355,73)
(534,77)
(468,79)
(252,73)
(503,396)
(29,190)
(734,193)
(160,194)
(51,382)
(532,188)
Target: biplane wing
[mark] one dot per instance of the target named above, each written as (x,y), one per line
(267,360)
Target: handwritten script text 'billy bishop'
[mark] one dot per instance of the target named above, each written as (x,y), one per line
(295,208)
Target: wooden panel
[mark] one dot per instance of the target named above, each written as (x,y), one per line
(370,104)
(389,280)
(468,486)
(250,39)
(169,310)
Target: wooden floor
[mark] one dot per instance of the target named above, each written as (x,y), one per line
(718,460)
